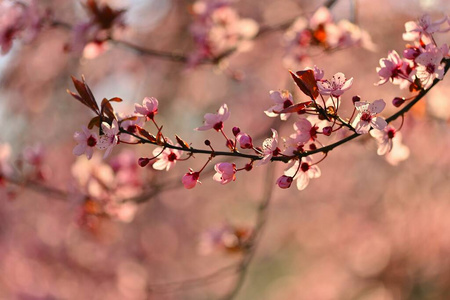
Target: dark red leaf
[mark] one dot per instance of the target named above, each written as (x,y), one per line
(306,81)
(115,99)
(146,134)
(182,143)
(295,108)
(95,121)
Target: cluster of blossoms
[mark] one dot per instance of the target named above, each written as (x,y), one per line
(321,31)
(314,120)
(18,19)
(102,189)
(217,28)
(91,37)
(422,60)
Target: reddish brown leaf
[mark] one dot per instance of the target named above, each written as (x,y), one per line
(85,94)
(159,138)
(295,108)
(115,99)
(182,143)
(107,110)
(146,134)
(95,121)
(306,81)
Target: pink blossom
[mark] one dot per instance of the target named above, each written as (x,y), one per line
(132,127)
(190,179)
(215,120)
(34,155)
(366,117)
(399,151)
(429,65)
(166,157)
(336,86)
(384,139)
(270,148)
(284,181)
(148,109)
(395,69)
(244,140)
(226,172)
(282,99)
(303,174)
(110,137)
(305,131)
(423,29)
(86,140)
(17,20)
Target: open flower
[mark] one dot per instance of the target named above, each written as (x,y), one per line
(148,109)
(423,29)
(190,179)
(226,172)
(305,131)
(270,148)
(167,157)
(384,139)
(395,69)
(215,120)
(305,172)
(282,99)
(336,86)
(86,140)
(110,138)
(429,65)
(366,117)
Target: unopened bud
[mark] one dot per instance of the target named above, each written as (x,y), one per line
(327,130)
(143,161)
(248,167)
(356,99)
(236,131)
(312,147)
(397,101)
(207,143)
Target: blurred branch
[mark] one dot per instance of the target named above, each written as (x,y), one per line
(38,187)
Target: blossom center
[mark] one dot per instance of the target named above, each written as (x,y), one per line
(366,117)
(430,68)
(304,167)
(91,141)
(172,157)
(287,103)
(391,133)
(132,128)
(218,126)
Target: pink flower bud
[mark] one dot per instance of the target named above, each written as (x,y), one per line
(244,140)
(284,182)
(236,131)
(411,53)
(226,172)
(327,130)
(190,179)
(397,101)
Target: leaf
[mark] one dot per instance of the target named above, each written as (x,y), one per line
(108,110)
(306,81)
(295,108)
(95,121)
(146,134)
(85,94)
(115,99)
(182,143)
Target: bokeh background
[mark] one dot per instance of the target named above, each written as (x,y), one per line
(364,230)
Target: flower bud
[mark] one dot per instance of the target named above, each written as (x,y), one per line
(284,181)
(356,99)
(248,167)
(397,101)
(236,130)
(312,147)
(327,130)
(244,140)
(143,161)
(411,53)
